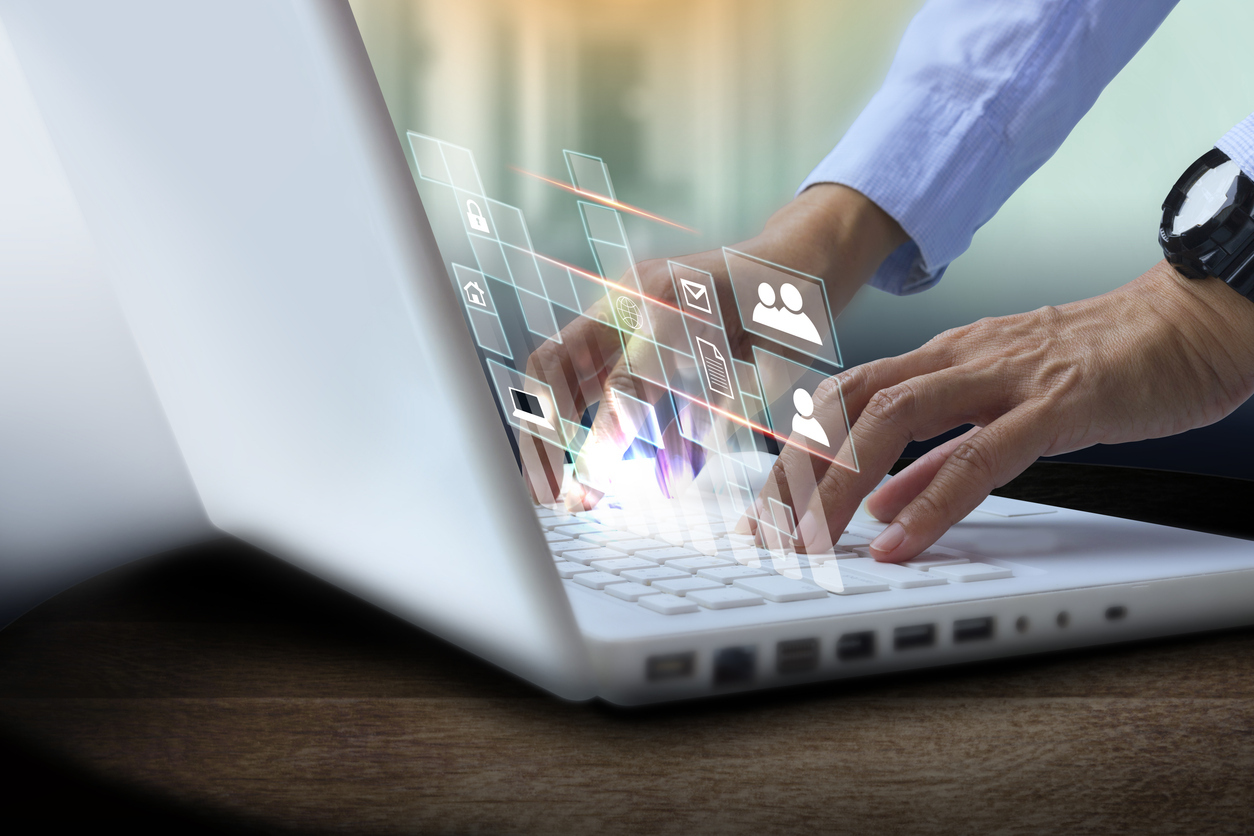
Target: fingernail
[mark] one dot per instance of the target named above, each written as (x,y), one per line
(889,539)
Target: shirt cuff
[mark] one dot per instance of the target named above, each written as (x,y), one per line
(929,194)
(1238,144)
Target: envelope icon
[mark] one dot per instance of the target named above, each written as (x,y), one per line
(696,296)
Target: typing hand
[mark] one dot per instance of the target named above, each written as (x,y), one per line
(829,231)
(1158,356)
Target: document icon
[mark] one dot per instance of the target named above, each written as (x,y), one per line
(696,296)
(716,370)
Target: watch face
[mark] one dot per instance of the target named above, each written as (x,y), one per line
(1207,197)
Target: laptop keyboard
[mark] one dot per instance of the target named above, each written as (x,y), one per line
(704,565)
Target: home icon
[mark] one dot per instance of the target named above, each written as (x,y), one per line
(475,294)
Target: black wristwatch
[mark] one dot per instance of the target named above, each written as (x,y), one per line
(1208,223)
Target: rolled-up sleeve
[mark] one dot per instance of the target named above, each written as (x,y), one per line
(1238,144)
(979,96)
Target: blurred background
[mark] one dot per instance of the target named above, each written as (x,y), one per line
(710,112)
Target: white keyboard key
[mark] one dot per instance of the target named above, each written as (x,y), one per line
(552,537)
(667,604)
(694,564)
(795,559)
(611,517)
(898,577)
(780,590)
(849,541)
(606,538)
(630,591)
(727,574)
(657,573)
(668,553)
(586,556)
(748,556)
(677,536)
(668,534)
(569,570)
(639,544)
(682,586)
(724,598)
(576,546)
(543,512)
(597,580)
(928,561)
(579,529)
(831,578)
(550,523)
(826,557)
(616,565)
(703,546)
(964,572)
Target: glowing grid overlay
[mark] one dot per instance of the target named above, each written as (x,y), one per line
(504,252)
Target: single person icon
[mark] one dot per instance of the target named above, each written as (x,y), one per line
(804,423)
(789,318)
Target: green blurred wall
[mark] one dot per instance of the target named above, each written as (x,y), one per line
(711,111)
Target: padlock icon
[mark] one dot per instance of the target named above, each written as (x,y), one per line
(475,215)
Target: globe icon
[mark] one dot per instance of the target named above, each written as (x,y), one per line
(628,312)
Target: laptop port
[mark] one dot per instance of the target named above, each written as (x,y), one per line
(1115,613)
(670,666)
(852,646)
(917,635)
(733,666)
(973,629)
(797,656)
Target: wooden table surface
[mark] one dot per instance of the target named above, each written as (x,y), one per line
(219,689)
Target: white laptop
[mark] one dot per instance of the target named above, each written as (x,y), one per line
(238,168)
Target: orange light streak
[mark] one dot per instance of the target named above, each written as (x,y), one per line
(593,277)
(602,199)
(731,416)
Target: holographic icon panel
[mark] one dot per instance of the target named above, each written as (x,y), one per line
(783,305)
(485,323)
(789,388)
(528,404)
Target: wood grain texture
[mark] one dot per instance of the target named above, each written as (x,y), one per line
(219,681)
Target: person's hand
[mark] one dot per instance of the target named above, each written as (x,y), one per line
(1160,355)
(829,231)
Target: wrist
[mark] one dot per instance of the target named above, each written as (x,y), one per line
(833,232)
(1214,319)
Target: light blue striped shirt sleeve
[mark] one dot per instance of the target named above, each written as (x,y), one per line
(979,96)
(1238,144)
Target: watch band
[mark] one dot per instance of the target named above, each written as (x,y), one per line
(1223,246)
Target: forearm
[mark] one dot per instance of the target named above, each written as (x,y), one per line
(978,97)
(833,232)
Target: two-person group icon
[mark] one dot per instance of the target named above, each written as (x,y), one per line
(788,318)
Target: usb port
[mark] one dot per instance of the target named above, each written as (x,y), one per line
(1116,613)
(853,646)
(797,656)
(733,666)
(671,666)
(918,635)
(973,629)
